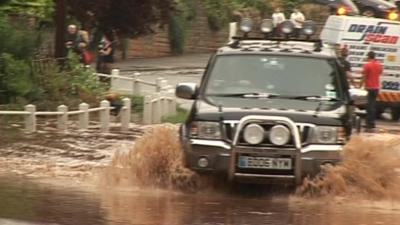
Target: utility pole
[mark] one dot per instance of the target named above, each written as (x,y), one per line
(61,12)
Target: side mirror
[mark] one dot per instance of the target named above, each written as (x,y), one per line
(186,91)
(358,96)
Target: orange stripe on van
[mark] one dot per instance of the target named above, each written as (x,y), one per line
(382,97)
(389,97)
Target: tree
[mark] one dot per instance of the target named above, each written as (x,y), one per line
(127,17)
(2,2)
(42,10)
(61,9)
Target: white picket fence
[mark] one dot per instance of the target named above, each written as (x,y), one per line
(157,104)
(132,85)
(83,113)
(157,107)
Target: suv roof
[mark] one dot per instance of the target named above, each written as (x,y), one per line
(299,47)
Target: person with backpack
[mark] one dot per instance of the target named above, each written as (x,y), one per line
(77,41)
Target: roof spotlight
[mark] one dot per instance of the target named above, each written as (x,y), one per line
(246,25)
(309,27)
(287,27)
(267,26)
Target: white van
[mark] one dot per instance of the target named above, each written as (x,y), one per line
(362,34)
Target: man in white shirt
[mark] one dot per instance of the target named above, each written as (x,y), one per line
(297,19)
(277,18)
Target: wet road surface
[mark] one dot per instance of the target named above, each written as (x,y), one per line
(25,202)
(49,198)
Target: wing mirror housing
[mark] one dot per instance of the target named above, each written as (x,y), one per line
(186,91)
(358,96)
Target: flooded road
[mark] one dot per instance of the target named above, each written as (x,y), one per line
(25,202)
(144,184)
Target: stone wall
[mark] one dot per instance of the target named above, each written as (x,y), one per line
(199,39)
(154,45)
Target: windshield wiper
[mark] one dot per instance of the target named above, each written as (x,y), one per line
(315,97)
(246,95)
(272,95)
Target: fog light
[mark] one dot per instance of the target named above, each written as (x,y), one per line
(253,134)
(279,135)
(203,162)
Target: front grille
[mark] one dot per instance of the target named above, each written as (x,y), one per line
(304,130)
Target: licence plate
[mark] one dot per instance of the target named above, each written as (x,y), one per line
(265,163)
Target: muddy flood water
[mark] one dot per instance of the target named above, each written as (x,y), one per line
(142,182)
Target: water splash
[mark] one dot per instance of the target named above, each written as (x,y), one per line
(370,170)
(155,160)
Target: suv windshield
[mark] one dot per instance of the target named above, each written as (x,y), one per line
(274,75)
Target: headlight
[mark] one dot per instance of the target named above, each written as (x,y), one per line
(267,26)
(246,25)
(328,135)
(279,135)
(206,130)
(253,134)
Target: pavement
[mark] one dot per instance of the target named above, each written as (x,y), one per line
(189,61)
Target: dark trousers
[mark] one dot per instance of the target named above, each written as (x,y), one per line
(296,32)
(276,32)
(371,108)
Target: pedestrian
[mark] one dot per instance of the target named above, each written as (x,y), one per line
(70,39)
(346,66)
(105,55)
(77,41)
(372,71)
(297,19)
(277,18)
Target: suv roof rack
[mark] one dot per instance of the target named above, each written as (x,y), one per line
(239,42)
